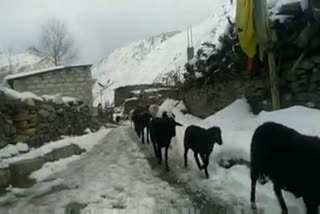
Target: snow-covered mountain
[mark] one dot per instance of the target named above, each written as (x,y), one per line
(144,61)
(29,60)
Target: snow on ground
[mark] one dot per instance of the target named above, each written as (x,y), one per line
(51,168)
(114,174)
(238,125)
(86,142)
(13,150)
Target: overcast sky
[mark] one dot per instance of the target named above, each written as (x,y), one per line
(98,26)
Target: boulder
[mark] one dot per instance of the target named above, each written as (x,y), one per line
(64,152)
(5,177)
(21,170)
(43,113)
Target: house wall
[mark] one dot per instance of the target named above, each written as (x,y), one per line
(74,82)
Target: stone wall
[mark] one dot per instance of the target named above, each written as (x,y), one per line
(69,81)
(36,122)
(203,101)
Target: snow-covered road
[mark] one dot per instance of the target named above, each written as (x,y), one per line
(118,173)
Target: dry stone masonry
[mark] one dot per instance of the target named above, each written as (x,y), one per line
(38,121)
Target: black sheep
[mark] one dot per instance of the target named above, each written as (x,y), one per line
(162,130)
(141,119)
(201,141)
(290,160)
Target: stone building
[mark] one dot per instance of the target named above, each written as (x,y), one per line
(72,81)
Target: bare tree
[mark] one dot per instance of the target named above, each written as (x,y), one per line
(57,42)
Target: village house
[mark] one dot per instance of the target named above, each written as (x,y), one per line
(132,96)
(71,81)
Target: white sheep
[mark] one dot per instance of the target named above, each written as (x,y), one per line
(156,111)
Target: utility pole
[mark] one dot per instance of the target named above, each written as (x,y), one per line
(190,49)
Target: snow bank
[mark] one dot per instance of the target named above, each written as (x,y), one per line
(19,95)
(86,142)
(51,168)
(58,98)
(12,150)
(238,125)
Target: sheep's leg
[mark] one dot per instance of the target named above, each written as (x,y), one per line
(148,133)
(197,160)
(311,207)
(186,157)
(142,135)
(282,203)
(159,155)
(253,192)
(155,149)
(166,156)
(205,161)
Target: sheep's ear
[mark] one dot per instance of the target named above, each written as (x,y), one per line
(178,124)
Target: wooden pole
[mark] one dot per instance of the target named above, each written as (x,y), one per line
(273,78)
(273,75)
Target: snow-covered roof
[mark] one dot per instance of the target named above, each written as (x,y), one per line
(41,71)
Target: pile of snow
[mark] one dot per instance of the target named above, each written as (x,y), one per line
(59,99)
(51,168)
(238,125)
(86,142)
(13,150)
(143,61)
(18,95)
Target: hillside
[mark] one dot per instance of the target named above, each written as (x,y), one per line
(146,60)
(29,60)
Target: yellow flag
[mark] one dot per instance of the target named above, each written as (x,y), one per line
(244,22)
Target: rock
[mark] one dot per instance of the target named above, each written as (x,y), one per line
(28,132)
(290,76)
(316,59)
(21,138)
(315,77)
(48,108)
(300,71)
(305,65)
(310,105)
(64,152)
(3,143)
(21,170)
(43,113)
(52,117)
(312,87)
(21,125)
(297,87)
(20,116)
(315,43)
(301,96)
(29,102)
(60,111)
(5,178)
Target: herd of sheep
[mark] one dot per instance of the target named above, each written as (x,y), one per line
(289,159)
